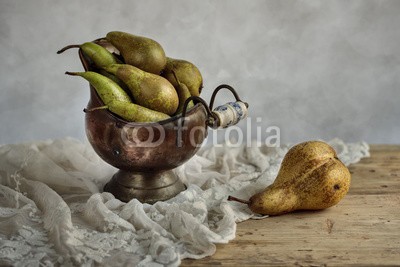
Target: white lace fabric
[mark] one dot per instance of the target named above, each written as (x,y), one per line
(53,211)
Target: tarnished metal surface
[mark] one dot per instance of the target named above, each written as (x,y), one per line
(144,147)
(148,187)
(144,152)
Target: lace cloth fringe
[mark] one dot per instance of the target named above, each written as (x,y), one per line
(53,210)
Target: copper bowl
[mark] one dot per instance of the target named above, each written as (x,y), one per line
(147,153)
(144,153)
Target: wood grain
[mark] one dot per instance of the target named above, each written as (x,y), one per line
(363,229)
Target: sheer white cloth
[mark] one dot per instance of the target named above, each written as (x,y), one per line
(53,211)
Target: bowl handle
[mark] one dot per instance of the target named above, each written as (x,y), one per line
(222,116)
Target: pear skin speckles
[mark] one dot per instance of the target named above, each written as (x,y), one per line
(107,89)
(136,113)
(141,52)
(311,177)
(187,74)
(149,90)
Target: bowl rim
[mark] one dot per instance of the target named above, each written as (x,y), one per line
(189,112)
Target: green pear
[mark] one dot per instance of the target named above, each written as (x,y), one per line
(148,90)
(136,113)
(187,73)
(107,89)
(141,52)
(311,177)
(183,94)
(116,99)
(116,80)
(99,55)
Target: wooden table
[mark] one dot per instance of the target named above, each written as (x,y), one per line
(363,229)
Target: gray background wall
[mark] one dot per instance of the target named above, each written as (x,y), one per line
(316,69)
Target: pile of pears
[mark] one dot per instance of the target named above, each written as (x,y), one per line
(137,81)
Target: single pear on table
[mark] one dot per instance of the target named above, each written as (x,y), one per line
(311,177)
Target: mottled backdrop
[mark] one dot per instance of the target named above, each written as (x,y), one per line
(315,69)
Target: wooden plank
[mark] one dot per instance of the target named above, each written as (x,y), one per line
(345,234)
(378,174)
(363,229)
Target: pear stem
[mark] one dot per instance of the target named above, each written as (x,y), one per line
(231,198)
(176,78)
(72,73)
(67,47)
(94,109)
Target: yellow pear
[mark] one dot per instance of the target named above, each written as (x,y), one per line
(311,177)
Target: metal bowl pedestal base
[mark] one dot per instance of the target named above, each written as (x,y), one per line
(148,187)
